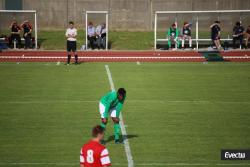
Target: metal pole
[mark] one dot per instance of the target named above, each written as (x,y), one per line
(35,30)
(204,11)
(241,23)
(86,30)
(155,31)
(176,24)
(197,33)
(107,30)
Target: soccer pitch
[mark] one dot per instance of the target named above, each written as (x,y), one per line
(176,114)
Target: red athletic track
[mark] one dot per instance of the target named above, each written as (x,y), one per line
(119,56)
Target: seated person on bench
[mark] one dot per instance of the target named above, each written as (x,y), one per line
(186,34)
(247,35)
(91,35)
(172,36)
(215,34)
(101,36)
(238,34)
(27,30)
(98,36)
(3,44)
(15,34)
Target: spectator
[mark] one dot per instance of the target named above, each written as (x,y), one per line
(238,34)
(172,36)
(71,34)
(91,35)
(98,36)
(247,34)
(215,34)
(103,32)
(186,34)
(27,30)
(101,36)
(15,34)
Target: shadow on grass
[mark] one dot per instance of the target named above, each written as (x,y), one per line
(110,44)
(40,42)
(124,137)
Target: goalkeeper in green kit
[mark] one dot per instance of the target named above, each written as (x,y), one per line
(112,103)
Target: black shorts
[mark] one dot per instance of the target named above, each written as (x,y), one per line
(215,37)
(71,46)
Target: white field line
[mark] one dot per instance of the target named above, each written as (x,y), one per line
(101,57)
(172,164)
(123,129)
(37,163)
(188,101)
(128,101)
(122,164)
(234,164)
(49,101)
(117,57)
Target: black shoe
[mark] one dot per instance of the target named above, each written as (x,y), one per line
(76,63)
(103,142)
(118,142)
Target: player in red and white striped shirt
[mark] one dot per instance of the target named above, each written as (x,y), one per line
(94,154)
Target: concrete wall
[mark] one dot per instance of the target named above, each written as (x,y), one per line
(124,14)
(130,14)
(1,4)
(51,13)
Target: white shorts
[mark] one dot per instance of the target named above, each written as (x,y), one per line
(112,111)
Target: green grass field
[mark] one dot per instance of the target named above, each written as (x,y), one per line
(118,40)
(177,114)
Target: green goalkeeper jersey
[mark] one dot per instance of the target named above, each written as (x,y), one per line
(110,100)
(173,32)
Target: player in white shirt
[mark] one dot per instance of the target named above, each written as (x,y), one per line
(71,34)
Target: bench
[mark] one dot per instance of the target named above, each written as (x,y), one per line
(199,40)
(3,40)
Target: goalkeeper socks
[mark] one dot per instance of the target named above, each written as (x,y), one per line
(177,43)
(169,43)
(103,125)
(76,59)
(69,57)
(117,131)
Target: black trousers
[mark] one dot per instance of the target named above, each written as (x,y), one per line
(239,38)
(92,42)
(16,37)
(71,46)
(27,41)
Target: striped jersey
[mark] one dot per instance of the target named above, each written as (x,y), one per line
(94,154)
